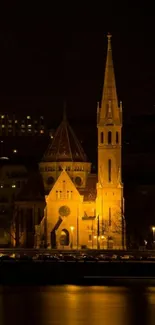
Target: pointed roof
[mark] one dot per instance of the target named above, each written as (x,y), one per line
(109,110)
(65,145)
(59,184)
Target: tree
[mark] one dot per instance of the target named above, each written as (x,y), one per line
(13,227)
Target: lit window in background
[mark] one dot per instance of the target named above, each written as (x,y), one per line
(3,126)
(28,117)
(13,185)
(16,121)
(41,131)
(1,186)
(52,137)
(2,116)
(14,150)
(29,125)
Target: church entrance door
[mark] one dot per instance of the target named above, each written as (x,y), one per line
(64,237)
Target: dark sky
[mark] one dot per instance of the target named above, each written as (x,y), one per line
(48,55)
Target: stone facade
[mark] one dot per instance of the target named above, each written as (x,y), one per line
(64,205)
(84,209)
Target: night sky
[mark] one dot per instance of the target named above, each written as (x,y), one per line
(48,56)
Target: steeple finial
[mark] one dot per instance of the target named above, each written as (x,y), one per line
(109,100)
(64,112)
(109,36)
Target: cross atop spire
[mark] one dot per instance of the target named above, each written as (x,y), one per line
(109,94)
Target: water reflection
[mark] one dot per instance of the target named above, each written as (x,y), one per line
(151,301)
(20,305)
(86,305)
(73,305)
(138,306)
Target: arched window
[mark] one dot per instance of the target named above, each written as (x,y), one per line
(109,170)
(117,137)
(102,137)
(109,137)
(109,216)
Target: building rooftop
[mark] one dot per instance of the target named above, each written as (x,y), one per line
(65,146)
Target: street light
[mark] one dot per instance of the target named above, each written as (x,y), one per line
(72,229)
(153,229)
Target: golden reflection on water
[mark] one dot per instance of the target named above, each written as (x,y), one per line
(74,305)
(86,305)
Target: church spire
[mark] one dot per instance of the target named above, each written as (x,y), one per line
(109,104)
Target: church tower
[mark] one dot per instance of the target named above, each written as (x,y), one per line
(109,201)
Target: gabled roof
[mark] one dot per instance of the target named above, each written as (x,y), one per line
(33,189)
(65,146)
(59,185)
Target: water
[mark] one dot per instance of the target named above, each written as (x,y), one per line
(73,305)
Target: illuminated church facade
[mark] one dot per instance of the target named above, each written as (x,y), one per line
(85,210)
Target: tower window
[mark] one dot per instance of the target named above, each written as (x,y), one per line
(109,137)
(109,216)
(109,170)
(102,137)
(117,137)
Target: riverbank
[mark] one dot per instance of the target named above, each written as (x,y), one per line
(46,273)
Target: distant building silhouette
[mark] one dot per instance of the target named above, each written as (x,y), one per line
(13,125)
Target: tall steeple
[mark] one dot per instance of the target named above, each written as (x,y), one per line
(109,110)
(110,187)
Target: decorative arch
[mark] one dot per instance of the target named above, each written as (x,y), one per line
(109,137)
(117,137)
(102,137)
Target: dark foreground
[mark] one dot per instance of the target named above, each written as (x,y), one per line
(77,305)
(47,273)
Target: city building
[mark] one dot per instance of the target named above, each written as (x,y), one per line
(13,125)
(13,178)
(79,209)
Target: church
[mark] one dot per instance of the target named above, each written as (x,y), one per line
(82,209)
